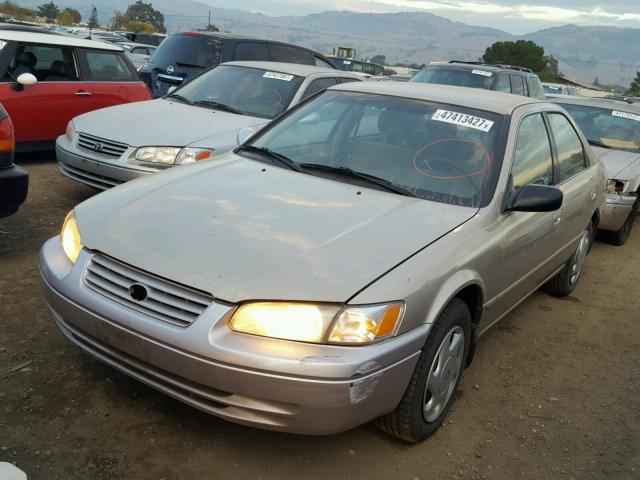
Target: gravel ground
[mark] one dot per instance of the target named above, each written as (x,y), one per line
(554,391)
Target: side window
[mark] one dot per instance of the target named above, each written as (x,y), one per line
(107,67)
(517,85)
(535,88)
(251,51)
(289,54)
(47,63)
(532,161)
(317,86)
(571,158)
(503,84)
(319,62)
(348,80)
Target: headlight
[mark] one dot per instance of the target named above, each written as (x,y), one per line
(616,186)
(306,322)
(171,155)
(190,155)
(71,132)
(70,237)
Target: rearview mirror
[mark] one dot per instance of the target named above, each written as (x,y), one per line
(535,198)
(245,134)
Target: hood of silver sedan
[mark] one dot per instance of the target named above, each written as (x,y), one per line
(244,230)
(160,123)
(616,161)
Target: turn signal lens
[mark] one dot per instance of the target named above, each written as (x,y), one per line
(190,155)
(70,237)
(362,325)
(616,186)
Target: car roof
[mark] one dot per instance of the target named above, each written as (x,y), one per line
(294,68)
(599,102)
(71,41)
(487,100)
(215,34)
(134,44)
(490,67)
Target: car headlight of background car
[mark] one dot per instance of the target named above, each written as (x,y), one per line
(314,323)
(171,155)
(616,186)
(70,237)
(71,132)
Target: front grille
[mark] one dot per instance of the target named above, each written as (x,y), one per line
(163,300)
(101,146)
(88,178)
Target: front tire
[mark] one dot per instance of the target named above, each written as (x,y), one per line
(431,390)
(621,236)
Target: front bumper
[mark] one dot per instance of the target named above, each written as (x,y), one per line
(14,185)
(616,211)
(267,383)
(93,171)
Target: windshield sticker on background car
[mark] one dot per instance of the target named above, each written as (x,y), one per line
(278,76)
(630,116)
(462,119)
(482,72)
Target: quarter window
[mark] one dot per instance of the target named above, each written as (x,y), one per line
(571,158)
(532,162)
(248,51)
(107,66)
(318,85)
(287,54)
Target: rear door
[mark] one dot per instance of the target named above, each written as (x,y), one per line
(518,86)
(41,112)
(111,78)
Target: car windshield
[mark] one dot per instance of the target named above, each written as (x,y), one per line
(247,91)
(196,50)
(438,152)
(612,128)
(461,77)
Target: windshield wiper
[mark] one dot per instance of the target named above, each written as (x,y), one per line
(266,152)
(372,179)
(192,65)
(598,143)
(218,106)
(180,98)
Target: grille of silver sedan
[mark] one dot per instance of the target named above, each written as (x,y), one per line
(101,146)
(153,296)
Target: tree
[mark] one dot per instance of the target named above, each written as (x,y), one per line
(144,12)
(140,27)
(522,53)
(50,11)
(634,89)
(66,18)
(550,73)
(75,14)
(19,13)
(93,20)
(379,59)
(122,22)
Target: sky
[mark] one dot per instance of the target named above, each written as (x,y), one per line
(515,16)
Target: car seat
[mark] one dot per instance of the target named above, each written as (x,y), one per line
(59,72)
(26,63)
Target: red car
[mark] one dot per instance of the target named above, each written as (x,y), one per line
(49,79)
(14,181)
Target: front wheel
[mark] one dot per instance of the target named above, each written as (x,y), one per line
(620,237)
(435,379)
(564,283)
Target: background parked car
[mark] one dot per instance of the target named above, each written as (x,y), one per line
(613,129)
(182,56)
(551,89)
(138,53)
(501,78)
(14,181)
(201,119)
(66,77)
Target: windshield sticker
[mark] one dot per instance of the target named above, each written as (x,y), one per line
(482,72)
(278,76)
(462,119)
(630,116)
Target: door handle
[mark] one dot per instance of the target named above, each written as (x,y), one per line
(82,93)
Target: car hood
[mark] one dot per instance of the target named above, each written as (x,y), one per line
(160,122)
(241,229)
(616,162)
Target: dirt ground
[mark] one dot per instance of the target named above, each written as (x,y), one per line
(554,391)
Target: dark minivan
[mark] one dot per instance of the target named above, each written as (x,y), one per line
(182,56)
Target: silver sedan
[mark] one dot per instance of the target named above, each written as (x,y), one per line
(202,119)
(341,265)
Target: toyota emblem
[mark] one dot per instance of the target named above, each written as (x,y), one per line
(98,147)
(169,69)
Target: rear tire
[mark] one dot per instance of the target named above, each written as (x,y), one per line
(432,386)
(621,236)
(564,283)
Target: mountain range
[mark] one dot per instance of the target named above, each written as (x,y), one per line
(610,54)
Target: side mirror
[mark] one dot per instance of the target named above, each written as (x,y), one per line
(535,198)
(171,90)
(245,134)
(24,80)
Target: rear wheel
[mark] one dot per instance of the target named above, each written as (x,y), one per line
(620,237)
(565,282)
(430,393)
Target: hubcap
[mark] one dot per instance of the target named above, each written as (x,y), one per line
(580,257)
(443,374)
